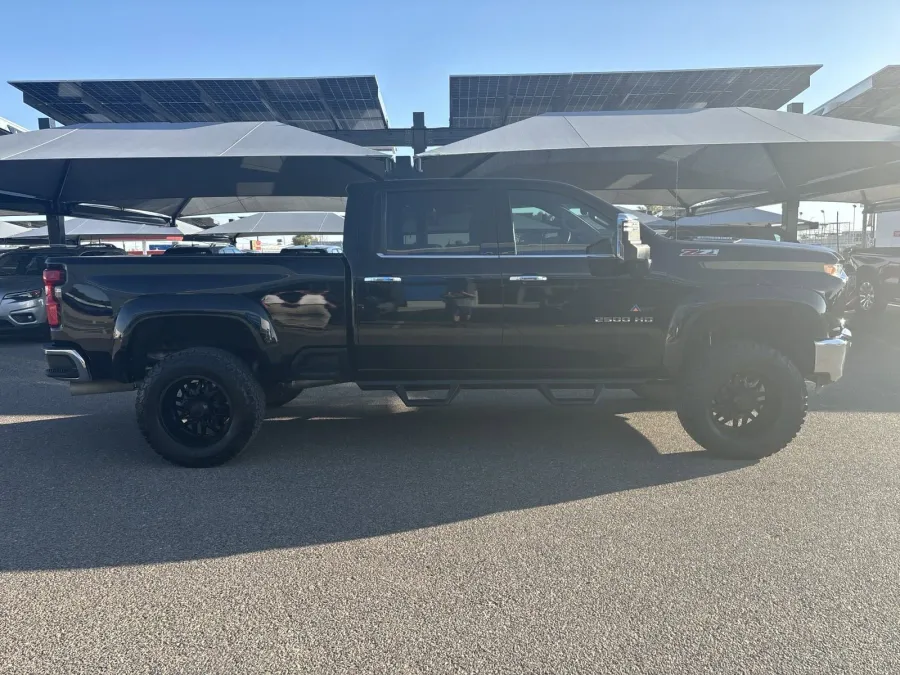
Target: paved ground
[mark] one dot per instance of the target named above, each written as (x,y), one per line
(498,535)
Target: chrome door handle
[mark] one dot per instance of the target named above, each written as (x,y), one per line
(385,280)
(528,277)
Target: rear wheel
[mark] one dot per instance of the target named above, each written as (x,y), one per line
(200,407)
(743,400)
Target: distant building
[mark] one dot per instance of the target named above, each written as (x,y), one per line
(7,127)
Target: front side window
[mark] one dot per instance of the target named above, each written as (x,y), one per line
(437,222)
(546,223)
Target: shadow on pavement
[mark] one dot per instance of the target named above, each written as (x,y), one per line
(316,474)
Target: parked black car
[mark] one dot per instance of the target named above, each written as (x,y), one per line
(203,249)
(454,284)
(877,278)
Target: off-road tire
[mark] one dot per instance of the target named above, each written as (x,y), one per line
(246,397)
(710,371)
(278,395)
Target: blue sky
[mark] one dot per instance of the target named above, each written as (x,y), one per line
(412,47)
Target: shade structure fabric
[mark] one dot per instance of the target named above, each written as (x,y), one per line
(746,216)
(680,157)
(10,229)
(644,218)
(169,164)
(86,227)
(309,222)
(209,206)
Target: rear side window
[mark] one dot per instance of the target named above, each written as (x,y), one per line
(436,222)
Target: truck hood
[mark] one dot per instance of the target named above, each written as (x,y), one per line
(19,283)
(759,249)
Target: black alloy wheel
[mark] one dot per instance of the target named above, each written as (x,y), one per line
(195,411)
(742,406)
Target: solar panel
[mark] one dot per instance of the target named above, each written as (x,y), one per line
(875,99)
(488,101)
(318,104)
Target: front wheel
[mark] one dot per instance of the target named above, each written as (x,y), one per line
(744,400)
(200,407)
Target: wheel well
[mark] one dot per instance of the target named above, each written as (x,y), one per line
(153,338)
(790,330)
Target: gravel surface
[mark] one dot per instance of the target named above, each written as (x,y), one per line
(497,535)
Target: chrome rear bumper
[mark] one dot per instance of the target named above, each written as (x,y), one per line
(75,368)
(830,356)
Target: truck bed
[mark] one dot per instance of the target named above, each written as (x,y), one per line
(104,302)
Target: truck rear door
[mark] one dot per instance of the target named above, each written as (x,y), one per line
(427,290)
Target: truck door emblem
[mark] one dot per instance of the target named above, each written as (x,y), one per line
(699,252)
(623,319)
(635,309)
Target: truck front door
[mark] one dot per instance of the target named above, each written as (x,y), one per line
(428,298)
(570,307)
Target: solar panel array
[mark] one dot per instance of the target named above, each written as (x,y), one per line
(489,101)
(318,104)
(875,99)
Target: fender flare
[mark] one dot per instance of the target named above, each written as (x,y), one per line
(133,313)
(688,317)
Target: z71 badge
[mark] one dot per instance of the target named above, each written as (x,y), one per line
(699,251)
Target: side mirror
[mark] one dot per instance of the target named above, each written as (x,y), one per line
(633,252)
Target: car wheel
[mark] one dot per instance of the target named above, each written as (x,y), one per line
(278,395)
(200,407)
(743,400)
(868,297)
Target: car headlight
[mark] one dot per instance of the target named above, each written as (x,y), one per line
(22,296)
(836,270)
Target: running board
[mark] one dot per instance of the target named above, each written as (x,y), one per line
(590,391)
(424,401)
(549,394)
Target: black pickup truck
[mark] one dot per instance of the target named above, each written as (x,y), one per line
(877,278)
(454,284)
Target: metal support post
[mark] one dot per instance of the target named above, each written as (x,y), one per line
(419,140)
(56,229)
(865,226)
(790,215)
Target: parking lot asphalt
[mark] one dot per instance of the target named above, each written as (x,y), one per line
(497,535)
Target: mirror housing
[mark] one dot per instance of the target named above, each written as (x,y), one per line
(633,252)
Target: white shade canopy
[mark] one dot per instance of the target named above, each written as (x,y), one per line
(261,224)
(167,165)
(97,229)
(680,157)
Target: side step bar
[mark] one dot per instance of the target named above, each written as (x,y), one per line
(424,401)
(549,394)
(589,391)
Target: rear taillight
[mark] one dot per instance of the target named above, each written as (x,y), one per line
(52,279)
